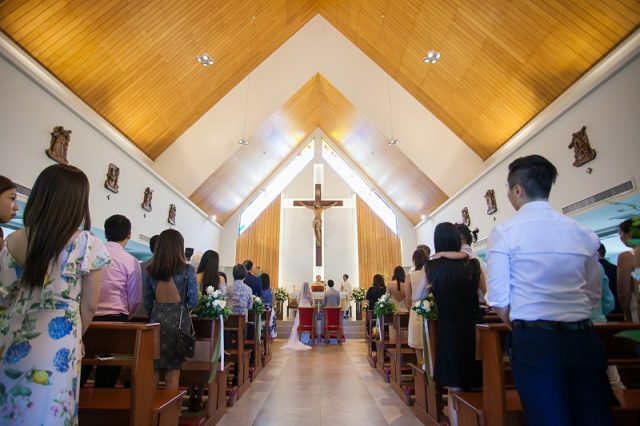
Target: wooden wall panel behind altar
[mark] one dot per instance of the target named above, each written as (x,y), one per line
(378,246)
(260,242)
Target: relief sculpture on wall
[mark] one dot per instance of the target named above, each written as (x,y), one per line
(490,197)
(466,219)
(172,214)
(111,183)
(59,145)
(582,151)
(146,202)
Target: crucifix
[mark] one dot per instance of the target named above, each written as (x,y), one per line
(318,205)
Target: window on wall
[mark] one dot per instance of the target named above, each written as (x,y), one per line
(276,186)
(360,187)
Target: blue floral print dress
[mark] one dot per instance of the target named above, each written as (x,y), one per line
(41,334)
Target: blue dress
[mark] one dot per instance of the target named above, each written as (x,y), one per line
(40,336)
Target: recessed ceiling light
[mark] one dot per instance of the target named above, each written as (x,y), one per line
(432,57)
(422,217)
(244,141)
(214,217)
(205,60)
(393,142)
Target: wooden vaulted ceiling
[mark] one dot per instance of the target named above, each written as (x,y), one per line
(503,61)
(318,104)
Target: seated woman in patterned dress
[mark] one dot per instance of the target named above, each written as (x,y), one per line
(169,279)
(50,280)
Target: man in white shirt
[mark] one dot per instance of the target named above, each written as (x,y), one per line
(543,281)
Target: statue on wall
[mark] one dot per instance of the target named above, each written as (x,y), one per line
(111,183)
(172,214)
(466,219)
(582,151)
(490,197)
(59,145)
(146,202)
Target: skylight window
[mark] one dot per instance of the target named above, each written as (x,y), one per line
(360,187)
(276,186)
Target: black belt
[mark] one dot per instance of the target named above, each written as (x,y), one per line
(553,325)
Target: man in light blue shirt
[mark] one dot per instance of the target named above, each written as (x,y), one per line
(543,281)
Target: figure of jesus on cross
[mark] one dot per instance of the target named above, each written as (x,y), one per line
(318,205)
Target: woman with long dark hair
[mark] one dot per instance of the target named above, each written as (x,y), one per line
(397,289)
(170,279)
(8,203)
(454,284)
(50,280)
(208,269)
(376,290)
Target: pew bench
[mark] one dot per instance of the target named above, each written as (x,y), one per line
(383,363)
(497,405)
(236,352)
(196,372)
(134,346)
(400,355)
(371,339)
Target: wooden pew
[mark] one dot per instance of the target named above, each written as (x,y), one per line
(429,399)
(400,354)
(382,343)
(196,372)
(267,340)
(236,351)
(133,346)
(370,321)
(255,346)
(499,406)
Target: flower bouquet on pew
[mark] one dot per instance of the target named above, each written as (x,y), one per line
(384,306)
(426,308)
(258,308)
(213,304)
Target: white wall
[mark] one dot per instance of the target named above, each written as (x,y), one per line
(610,112)
(27,117)
(296,233)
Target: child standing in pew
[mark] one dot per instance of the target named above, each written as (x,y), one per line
(170,293)
(50,277)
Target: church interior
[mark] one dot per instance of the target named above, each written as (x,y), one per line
(325,141)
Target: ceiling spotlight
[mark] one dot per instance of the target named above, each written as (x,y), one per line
(432,57)
(393,142)
(214,217)
(422,217)
(243,141)
(205,60)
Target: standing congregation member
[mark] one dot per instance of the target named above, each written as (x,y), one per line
(208,271)
(416,290)
(611,271)
(627,287)
(376,290)
(50,274)
(121,290)
(8,203)
(143,269)
(544,283)
(251,280)
(170,279)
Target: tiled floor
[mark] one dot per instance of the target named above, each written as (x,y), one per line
(328,385)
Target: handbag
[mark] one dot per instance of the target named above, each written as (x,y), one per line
(187,340)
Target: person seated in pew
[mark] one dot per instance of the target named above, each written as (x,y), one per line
(50,277)
(454,284)
(240,297)
(543,282)
(223,282)
(331,296)
(170,292)
(120,293)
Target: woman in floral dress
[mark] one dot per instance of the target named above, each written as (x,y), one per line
(50,282)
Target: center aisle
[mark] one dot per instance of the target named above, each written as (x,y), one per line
(328,385)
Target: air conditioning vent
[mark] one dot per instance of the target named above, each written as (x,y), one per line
(143,237)
(625,187)
(23,190)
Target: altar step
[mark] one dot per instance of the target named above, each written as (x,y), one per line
(352,329)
